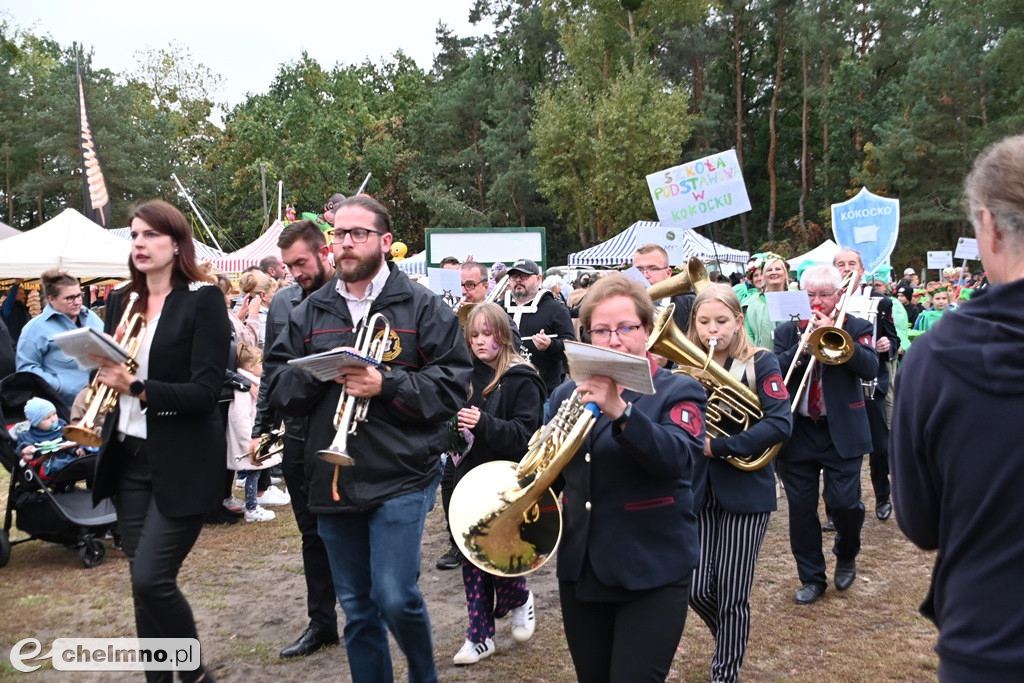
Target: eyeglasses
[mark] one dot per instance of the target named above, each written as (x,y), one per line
(358,235)
(651,269)
(821,295)
(519,275)
(621,331)
(72,298)
(469,284)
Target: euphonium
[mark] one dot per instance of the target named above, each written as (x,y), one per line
(464,308)
(351,410)
(693,279)
(101,399)
(732,406)
(504,515)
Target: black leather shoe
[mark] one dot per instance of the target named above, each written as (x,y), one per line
(311,640)
(450,560)
(883,510)
(808,593)
(846,572)
(829,526)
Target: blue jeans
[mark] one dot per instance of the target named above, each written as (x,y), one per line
(375,562)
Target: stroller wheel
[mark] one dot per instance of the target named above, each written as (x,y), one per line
(92,553)
(5,548)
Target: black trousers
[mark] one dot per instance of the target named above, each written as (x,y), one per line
(809,452)
(156,546)
(447,488)
(628,641)
(878,460)
(320,599)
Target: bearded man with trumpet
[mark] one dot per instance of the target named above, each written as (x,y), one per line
(370,514)
(830,430)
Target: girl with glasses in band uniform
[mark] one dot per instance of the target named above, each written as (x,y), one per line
(162,458)
(629,542)
(38,353)
(505,408)
(732,505)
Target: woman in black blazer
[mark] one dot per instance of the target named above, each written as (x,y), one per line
(732,505)
(163,455)
(629,544)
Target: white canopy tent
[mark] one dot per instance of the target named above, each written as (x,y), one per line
(69,241)
(414,265)
(252,253)
(203,252)
(7,231)
(820,255)
(620,249)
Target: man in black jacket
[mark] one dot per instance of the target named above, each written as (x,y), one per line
(305,252)
(370,514)
(543,321)
(830,434)
(887,344)
(956,441)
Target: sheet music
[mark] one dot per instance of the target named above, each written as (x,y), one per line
(85,342)
(631,372)
(330,365)
(785,306)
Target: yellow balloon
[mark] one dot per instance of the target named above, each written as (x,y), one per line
(398,250)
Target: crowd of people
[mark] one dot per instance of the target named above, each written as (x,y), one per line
(667,504)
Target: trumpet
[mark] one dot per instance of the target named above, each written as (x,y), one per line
(351,410)
(270,445)
(101,399)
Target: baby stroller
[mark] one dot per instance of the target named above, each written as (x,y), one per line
(56,511)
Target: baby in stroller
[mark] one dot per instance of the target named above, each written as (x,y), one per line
(41,445)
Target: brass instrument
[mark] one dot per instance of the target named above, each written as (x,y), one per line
(829,344)
(101,399)
(269,446)
(463,308)
(693,279)
(503,515)
(732,406)
(351,410)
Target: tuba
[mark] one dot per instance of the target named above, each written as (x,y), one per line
(351,410)
(732,406)
(504,516)
(101,399)
(693,279)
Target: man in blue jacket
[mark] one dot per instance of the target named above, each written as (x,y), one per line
(956,441)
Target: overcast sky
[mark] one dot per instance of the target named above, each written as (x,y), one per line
(246,41)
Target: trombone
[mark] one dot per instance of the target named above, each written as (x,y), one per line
(463,308)
(351,410)
(829,344)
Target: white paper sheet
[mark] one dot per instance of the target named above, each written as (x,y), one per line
(85,342)
(631,372)
(330,365)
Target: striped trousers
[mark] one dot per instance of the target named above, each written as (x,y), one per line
(720,592)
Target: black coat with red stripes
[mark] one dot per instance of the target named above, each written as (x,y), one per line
(738,491)
(628,503)
(841,384)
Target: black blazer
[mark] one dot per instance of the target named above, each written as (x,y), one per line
(186,445)
(627,501)
(738,491)
(841,384)
(886,328)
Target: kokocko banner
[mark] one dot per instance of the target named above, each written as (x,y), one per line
(699,192)
(870,224)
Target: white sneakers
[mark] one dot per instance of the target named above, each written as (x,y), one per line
(274,496)
(471,652)
(524,622)
(259,514)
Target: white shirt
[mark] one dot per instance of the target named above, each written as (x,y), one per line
(357,307)
(132,418)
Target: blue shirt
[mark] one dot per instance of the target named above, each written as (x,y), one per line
(37,352)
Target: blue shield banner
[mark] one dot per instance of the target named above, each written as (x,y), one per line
(870,224)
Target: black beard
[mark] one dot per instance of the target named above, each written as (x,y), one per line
(321,277)
(364,270)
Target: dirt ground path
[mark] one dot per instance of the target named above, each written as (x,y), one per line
(245,584)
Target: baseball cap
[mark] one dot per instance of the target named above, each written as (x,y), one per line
(525,265)
(909,271)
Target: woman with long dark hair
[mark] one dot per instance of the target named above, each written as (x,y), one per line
(163,455)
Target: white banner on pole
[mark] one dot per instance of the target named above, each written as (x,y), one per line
(937,260)
(699,192)
(967,248)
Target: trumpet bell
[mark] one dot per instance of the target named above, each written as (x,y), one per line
(83,435)
(336,456)
(503,544)
(831,345)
